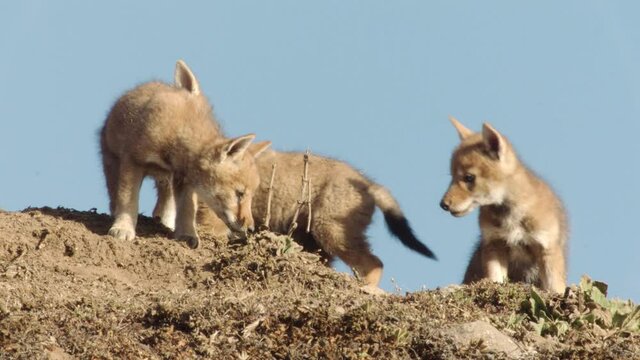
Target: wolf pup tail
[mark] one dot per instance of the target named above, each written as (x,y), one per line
(396,221)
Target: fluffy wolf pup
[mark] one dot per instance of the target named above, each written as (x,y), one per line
(523,224)
(342,204)
(169,132)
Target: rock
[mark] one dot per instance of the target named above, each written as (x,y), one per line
(492,338)
(450,289)
(373,290)
(56,353)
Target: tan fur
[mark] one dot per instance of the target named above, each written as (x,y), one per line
(523,224)
(342,202)
(169,132)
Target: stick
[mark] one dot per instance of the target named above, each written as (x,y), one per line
(301,202)
(267,217)
(308,205)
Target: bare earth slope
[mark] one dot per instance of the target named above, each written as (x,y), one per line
(69,291)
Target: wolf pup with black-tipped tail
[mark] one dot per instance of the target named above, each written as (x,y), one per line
(342,205)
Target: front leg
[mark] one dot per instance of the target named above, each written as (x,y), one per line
(187,205)
(551,263)
(495,260)
(165,209)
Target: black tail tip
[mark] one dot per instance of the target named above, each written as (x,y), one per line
(424,250)
(399,226)
(421,248)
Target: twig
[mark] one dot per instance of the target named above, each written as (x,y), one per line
(302,202)
(308,205)
(306,180)
(267,217)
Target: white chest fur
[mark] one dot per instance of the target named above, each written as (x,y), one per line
(517,230)
(512,232)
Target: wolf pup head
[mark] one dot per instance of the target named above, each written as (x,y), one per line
(479,166)
(229,179)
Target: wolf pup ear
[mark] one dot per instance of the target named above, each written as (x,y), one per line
(235,148)
(494,141)
(185,79)
(463,131)
(259,148)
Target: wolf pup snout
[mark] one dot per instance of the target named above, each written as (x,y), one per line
(444,205)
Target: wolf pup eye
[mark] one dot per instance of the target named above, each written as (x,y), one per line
(239,194)
(469,178)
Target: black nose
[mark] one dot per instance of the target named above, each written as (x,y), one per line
(444,206)
(250,228)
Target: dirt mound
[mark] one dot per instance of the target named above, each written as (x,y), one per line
(68,290)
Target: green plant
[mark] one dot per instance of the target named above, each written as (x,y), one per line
(545,319)
(581,306)
(287,245)
(608,314)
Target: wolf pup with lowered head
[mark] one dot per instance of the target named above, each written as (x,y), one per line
(169,132)
(523,224)
(342,204)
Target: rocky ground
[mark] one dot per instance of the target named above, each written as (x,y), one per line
(69,291)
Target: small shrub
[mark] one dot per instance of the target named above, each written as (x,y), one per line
(581,306)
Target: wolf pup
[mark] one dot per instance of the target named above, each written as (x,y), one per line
(523,224)
(342,204)
(169,132)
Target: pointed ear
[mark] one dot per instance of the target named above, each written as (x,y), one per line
(258,148)
(185,79)
(235,148)
(494,141)
(463,132)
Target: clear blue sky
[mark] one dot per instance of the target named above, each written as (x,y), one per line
(369,82)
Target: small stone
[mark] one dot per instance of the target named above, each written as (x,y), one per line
(493,340)
(373,290)
(448,290)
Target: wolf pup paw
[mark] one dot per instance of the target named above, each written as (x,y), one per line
(192,241)
(122,233)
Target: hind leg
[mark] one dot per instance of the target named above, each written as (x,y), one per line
(351,247)
(111,168)
(359,257)
(165,209)
(368,265)
(125,209)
